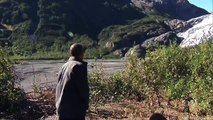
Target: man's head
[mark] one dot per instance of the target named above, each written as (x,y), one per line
(77,51)
(157,116)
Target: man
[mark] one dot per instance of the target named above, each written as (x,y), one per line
(72,90)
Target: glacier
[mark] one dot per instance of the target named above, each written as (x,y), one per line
(201,31)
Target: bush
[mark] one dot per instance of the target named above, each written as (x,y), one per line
(99,87)
(10,95)
(113,89)
(185,73)
(175,73)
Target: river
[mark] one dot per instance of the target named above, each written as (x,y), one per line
(44,72)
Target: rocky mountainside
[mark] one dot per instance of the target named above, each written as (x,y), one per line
(104,26)
(180,9)
(186,33)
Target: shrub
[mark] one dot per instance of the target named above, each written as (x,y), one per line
(175,73)
(98,85)
(10,95)
(110,89)
(169,73)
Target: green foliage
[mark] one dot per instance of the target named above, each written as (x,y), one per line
(177,73)
(11,97)
(92,52)
(98,85)
(60,45)
(102,89)
(111,56)
(22,44)
(14,11)
(174,73)
(106,90)
(98,52)
(185,72)
(85,40)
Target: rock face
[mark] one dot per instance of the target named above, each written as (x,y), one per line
(153,43)
(180,9)
(201,31)
(164,39)
(178,25)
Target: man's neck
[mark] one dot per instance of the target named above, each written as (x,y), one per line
(76,58)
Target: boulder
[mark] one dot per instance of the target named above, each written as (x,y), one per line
(164,39)
(137,50)
(121,52)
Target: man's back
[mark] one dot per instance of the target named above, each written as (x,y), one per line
(72,91)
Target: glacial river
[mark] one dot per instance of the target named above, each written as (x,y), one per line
(44,72)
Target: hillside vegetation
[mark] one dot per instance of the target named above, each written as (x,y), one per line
(109,27)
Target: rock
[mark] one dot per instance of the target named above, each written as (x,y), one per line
(109,45)
(118,52)
(138,50)
(164,39)
(126,37)
(178,25)
(121,52)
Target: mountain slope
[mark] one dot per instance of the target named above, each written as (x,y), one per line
(115,25)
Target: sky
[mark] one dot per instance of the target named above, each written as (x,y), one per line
(205,4)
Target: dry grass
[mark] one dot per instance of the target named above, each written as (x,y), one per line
(125,110)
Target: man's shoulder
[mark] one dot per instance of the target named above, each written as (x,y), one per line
(74,62)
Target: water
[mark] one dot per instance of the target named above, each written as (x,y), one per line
(44,72)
